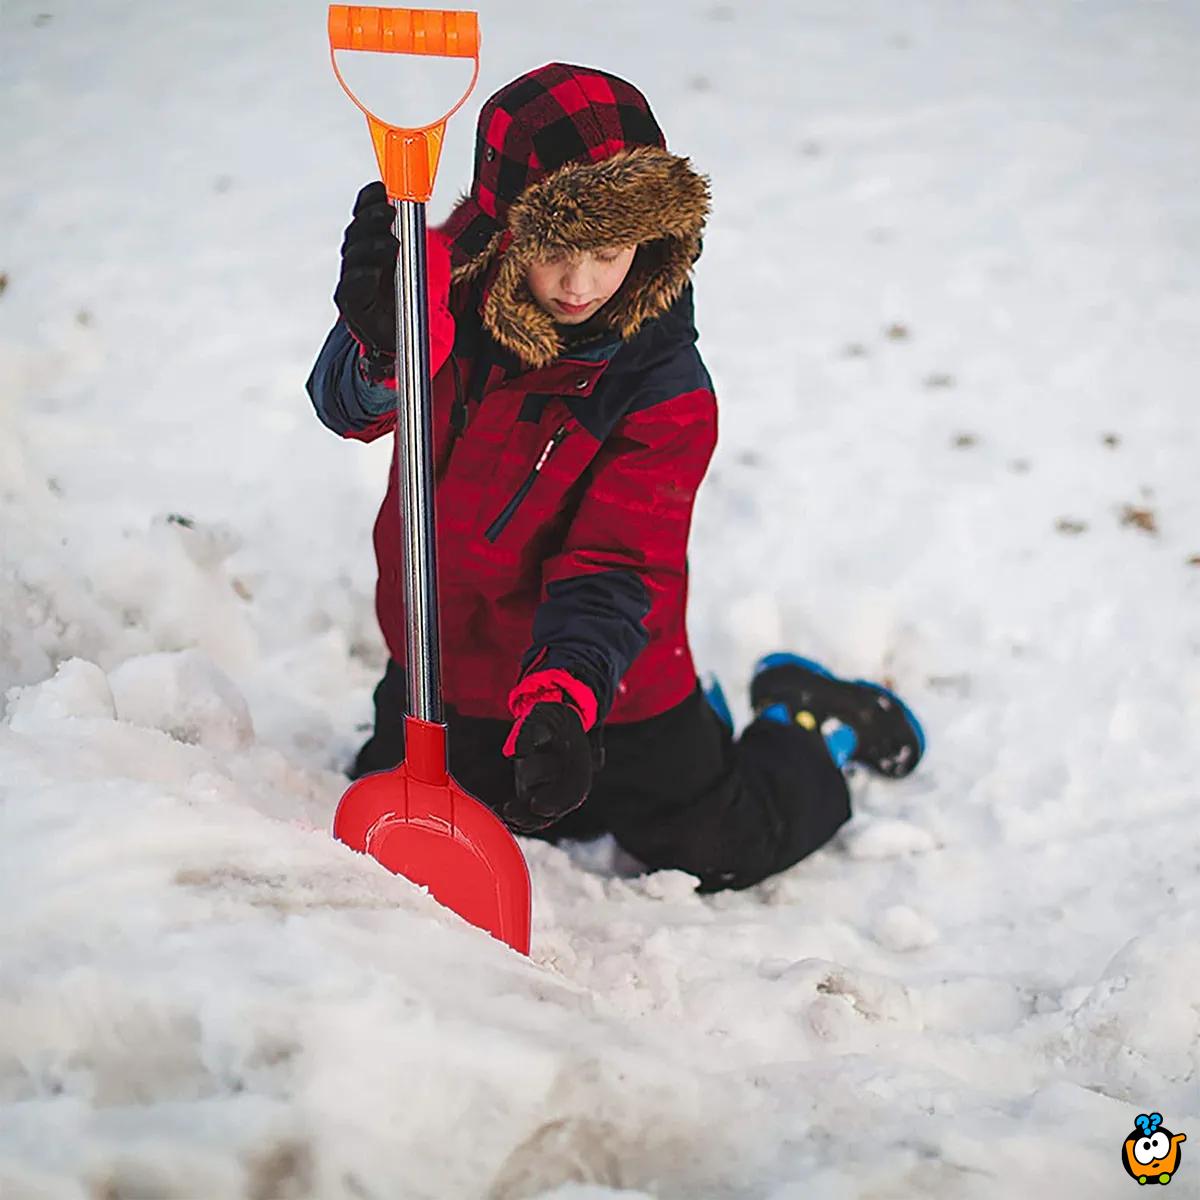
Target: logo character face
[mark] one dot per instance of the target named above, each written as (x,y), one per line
(1151,1153)
(1148,1150)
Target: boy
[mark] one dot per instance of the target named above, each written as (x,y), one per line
(573,422)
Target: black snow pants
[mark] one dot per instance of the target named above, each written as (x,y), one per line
(676,790)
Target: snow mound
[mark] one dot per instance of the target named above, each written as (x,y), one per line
(185,695)
(78,689)
(1139,1024)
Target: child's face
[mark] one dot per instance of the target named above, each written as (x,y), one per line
(573,287)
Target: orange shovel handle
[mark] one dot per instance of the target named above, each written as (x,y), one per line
(408,158)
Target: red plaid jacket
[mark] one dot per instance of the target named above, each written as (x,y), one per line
(564,498)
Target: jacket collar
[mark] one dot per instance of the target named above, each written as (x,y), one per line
(597,381)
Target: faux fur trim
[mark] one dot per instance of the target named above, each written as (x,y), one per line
(644,196)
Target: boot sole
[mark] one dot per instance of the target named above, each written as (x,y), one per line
(876,713)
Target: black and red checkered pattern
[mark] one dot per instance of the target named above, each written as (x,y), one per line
(552,116)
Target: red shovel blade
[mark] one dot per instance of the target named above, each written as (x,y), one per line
(419,823)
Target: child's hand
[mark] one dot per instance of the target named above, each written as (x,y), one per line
(366,291)
(553,767)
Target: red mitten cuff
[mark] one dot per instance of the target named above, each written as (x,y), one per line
(378,367)
(441,322)
(553,685)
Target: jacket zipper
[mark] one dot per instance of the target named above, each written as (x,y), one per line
(496,528)
(458,410)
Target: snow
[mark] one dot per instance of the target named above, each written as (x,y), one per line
(949,296)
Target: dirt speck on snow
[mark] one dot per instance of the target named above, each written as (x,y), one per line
(1071,526)
(1138,517)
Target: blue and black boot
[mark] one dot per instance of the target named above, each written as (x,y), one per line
(861,722)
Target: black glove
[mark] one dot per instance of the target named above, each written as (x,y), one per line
(553,767)
(366,291)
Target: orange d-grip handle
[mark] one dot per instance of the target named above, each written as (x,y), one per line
(408,158)
(404,30)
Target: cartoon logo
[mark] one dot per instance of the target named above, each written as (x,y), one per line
(1151,1153)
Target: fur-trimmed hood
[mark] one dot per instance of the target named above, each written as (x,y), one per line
(569,159)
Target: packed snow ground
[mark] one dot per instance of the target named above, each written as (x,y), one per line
(951,300)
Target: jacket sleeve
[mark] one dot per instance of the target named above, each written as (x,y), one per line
(622,569)
(342,395)
(347,394)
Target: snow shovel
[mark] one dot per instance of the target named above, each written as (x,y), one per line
(415,819)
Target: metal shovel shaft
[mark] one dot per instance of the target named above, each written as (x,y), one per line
(414,464)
